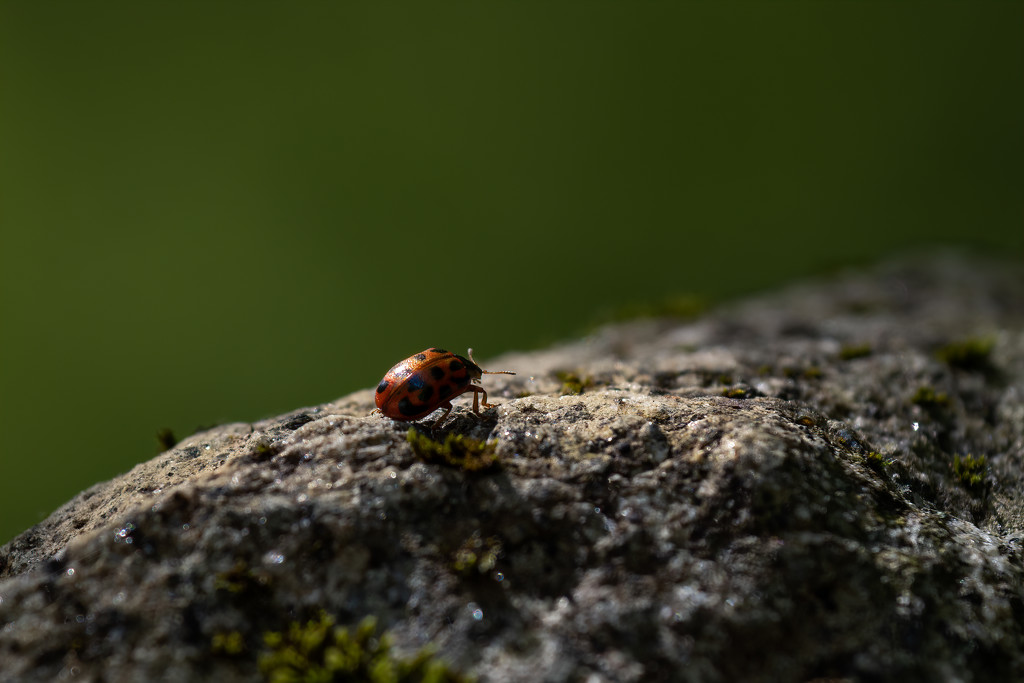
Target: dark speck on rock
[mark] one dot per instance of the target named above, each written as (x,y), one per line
(297,421)
(189,452)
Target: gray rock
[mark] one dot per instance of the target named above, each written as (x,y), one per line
(784,489)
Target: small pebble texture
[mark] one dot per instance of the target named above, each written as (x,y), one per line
(825,482)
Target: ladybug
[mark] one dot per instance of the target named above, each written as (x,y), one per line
(429,380)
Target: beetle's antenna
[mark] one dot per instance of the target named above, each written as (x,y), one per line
(489,372)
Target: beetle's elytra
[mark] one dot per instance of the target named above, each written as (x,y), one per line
(429,380)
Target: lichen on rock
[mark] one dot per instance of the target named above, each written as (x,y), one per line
(762,493)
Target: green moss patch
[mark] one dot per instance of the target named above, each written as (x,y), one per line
(318,651)
(929,399)
(458,451)
(970,471)
(573,384)
(969,354)
(228,643)
(851,351)
(477,555)
(877,461)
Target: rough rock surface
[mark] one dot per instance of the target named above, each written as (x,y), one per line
(784,489)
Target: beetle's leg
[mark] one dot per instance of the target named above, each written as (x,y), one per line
(447,409)
(376,411)
(477,402)
(484,402)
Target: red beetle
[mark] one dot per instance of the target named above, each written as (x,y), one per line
(429,380)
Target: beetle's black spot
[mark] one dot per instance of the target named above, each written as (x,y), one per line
(437,350)
(461,381)
(455,365)
(415,382)
(382,386)
(437,373)
(407,407)
(445,390)
(420,356)
(425,395)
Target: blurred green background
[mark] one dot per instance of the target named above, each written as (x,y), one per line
(215,212)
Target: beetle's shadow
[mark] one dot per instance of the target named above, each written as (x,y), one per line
(461,421)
